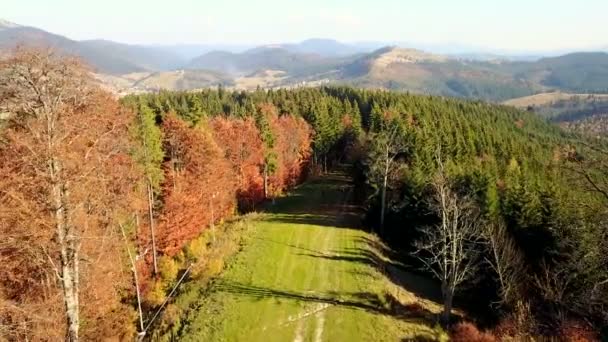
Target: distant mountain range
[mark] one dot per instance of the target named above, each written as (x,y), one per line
(135,68)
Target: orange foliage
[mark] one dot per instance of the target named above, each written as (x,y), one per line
(293,149)
(88,140)
(467,332)
(243,148)
(577,331)
(199,185)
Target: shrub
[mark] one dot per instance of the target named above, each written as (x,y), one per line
(577,331)
(468,332)
(168,269)
(156,295)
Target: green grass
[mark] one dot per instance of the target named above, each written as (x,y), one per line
(307,273)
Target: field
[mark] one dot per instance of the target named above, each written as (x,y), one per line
(546,99)
(308,273)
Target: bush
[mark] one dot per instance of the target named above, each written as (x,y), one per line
(468,332)
(577,331)
(168,269)
(196,248)
(156,296)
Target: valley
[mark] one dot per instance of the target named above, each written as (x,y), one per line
(126,69)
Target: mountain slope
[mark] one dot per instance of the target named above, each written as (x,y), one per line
(102,61)
(149,58)
(104,56)
(418,71)
(306,273)
(261,58)
(325,48)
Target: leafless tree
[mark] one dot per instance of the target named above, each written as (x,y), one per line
(506,260)
(450,249)
(384,149)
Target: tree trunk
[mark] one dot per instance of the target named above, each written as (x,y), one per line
(265,181)
(151,215)
(68,250)
(447,307)
(212,221)
(136,279)
(383,205)
(383,195)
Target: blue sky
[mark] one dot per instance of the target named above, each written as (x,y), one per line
(515,25)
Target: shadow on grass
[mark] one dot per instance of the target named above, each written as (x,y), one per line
(345,219)
(396,272)
(371,302)
(286,244)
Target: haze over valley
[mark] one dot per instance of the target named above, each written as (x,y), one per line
(126,68)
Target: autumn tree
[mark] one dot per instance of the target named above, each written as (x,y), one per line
(293,149)
(65,178)
(199,185)
(243,147)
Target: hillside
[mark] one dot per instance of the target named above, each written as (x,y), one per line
(261,58)
(417,71)
(585,72)
(146,57)
(308,273)
(101,60)
(511,166)
(316,62)
(326,48)
(584,113)
(104,56)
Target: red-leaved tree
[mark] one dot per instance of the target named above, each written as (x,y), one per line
(199,186)
(243,148)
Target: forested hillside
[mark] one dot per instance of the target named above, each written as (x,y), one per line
(106,206)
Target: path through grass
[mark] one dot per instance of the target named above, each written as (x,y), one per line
(309,274)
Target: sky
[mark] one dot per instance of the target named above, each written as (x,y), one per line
(505,25)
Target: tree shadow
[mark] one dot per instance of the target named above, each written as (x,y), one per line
(286,244)
(367,301)
(397,273)
(329,219)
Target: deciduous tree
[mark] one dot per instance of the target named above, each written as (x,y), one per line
(64,179)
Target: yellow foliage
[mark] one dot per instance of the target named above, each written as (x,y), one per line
(214,266)
(196,248)
(168,269)
(156,296)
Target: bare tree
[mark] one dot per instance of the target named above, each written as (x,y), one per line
(506,260)
(450,249)
(384,149)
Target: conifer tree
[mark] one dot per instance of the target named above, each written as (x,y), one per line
(149,154)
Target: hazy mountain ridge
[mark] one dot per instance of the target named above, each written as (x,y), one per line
(321,61)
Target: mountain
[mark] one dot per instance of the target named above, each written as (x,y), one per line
(102,61)
(325,48)
(262,58)
(314,62)
(581,72)
(191,51)
(5,24)
(104,56)
(146,57)
(421,72)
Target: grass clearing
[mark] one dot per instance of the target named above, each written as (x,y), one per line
(306,273)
